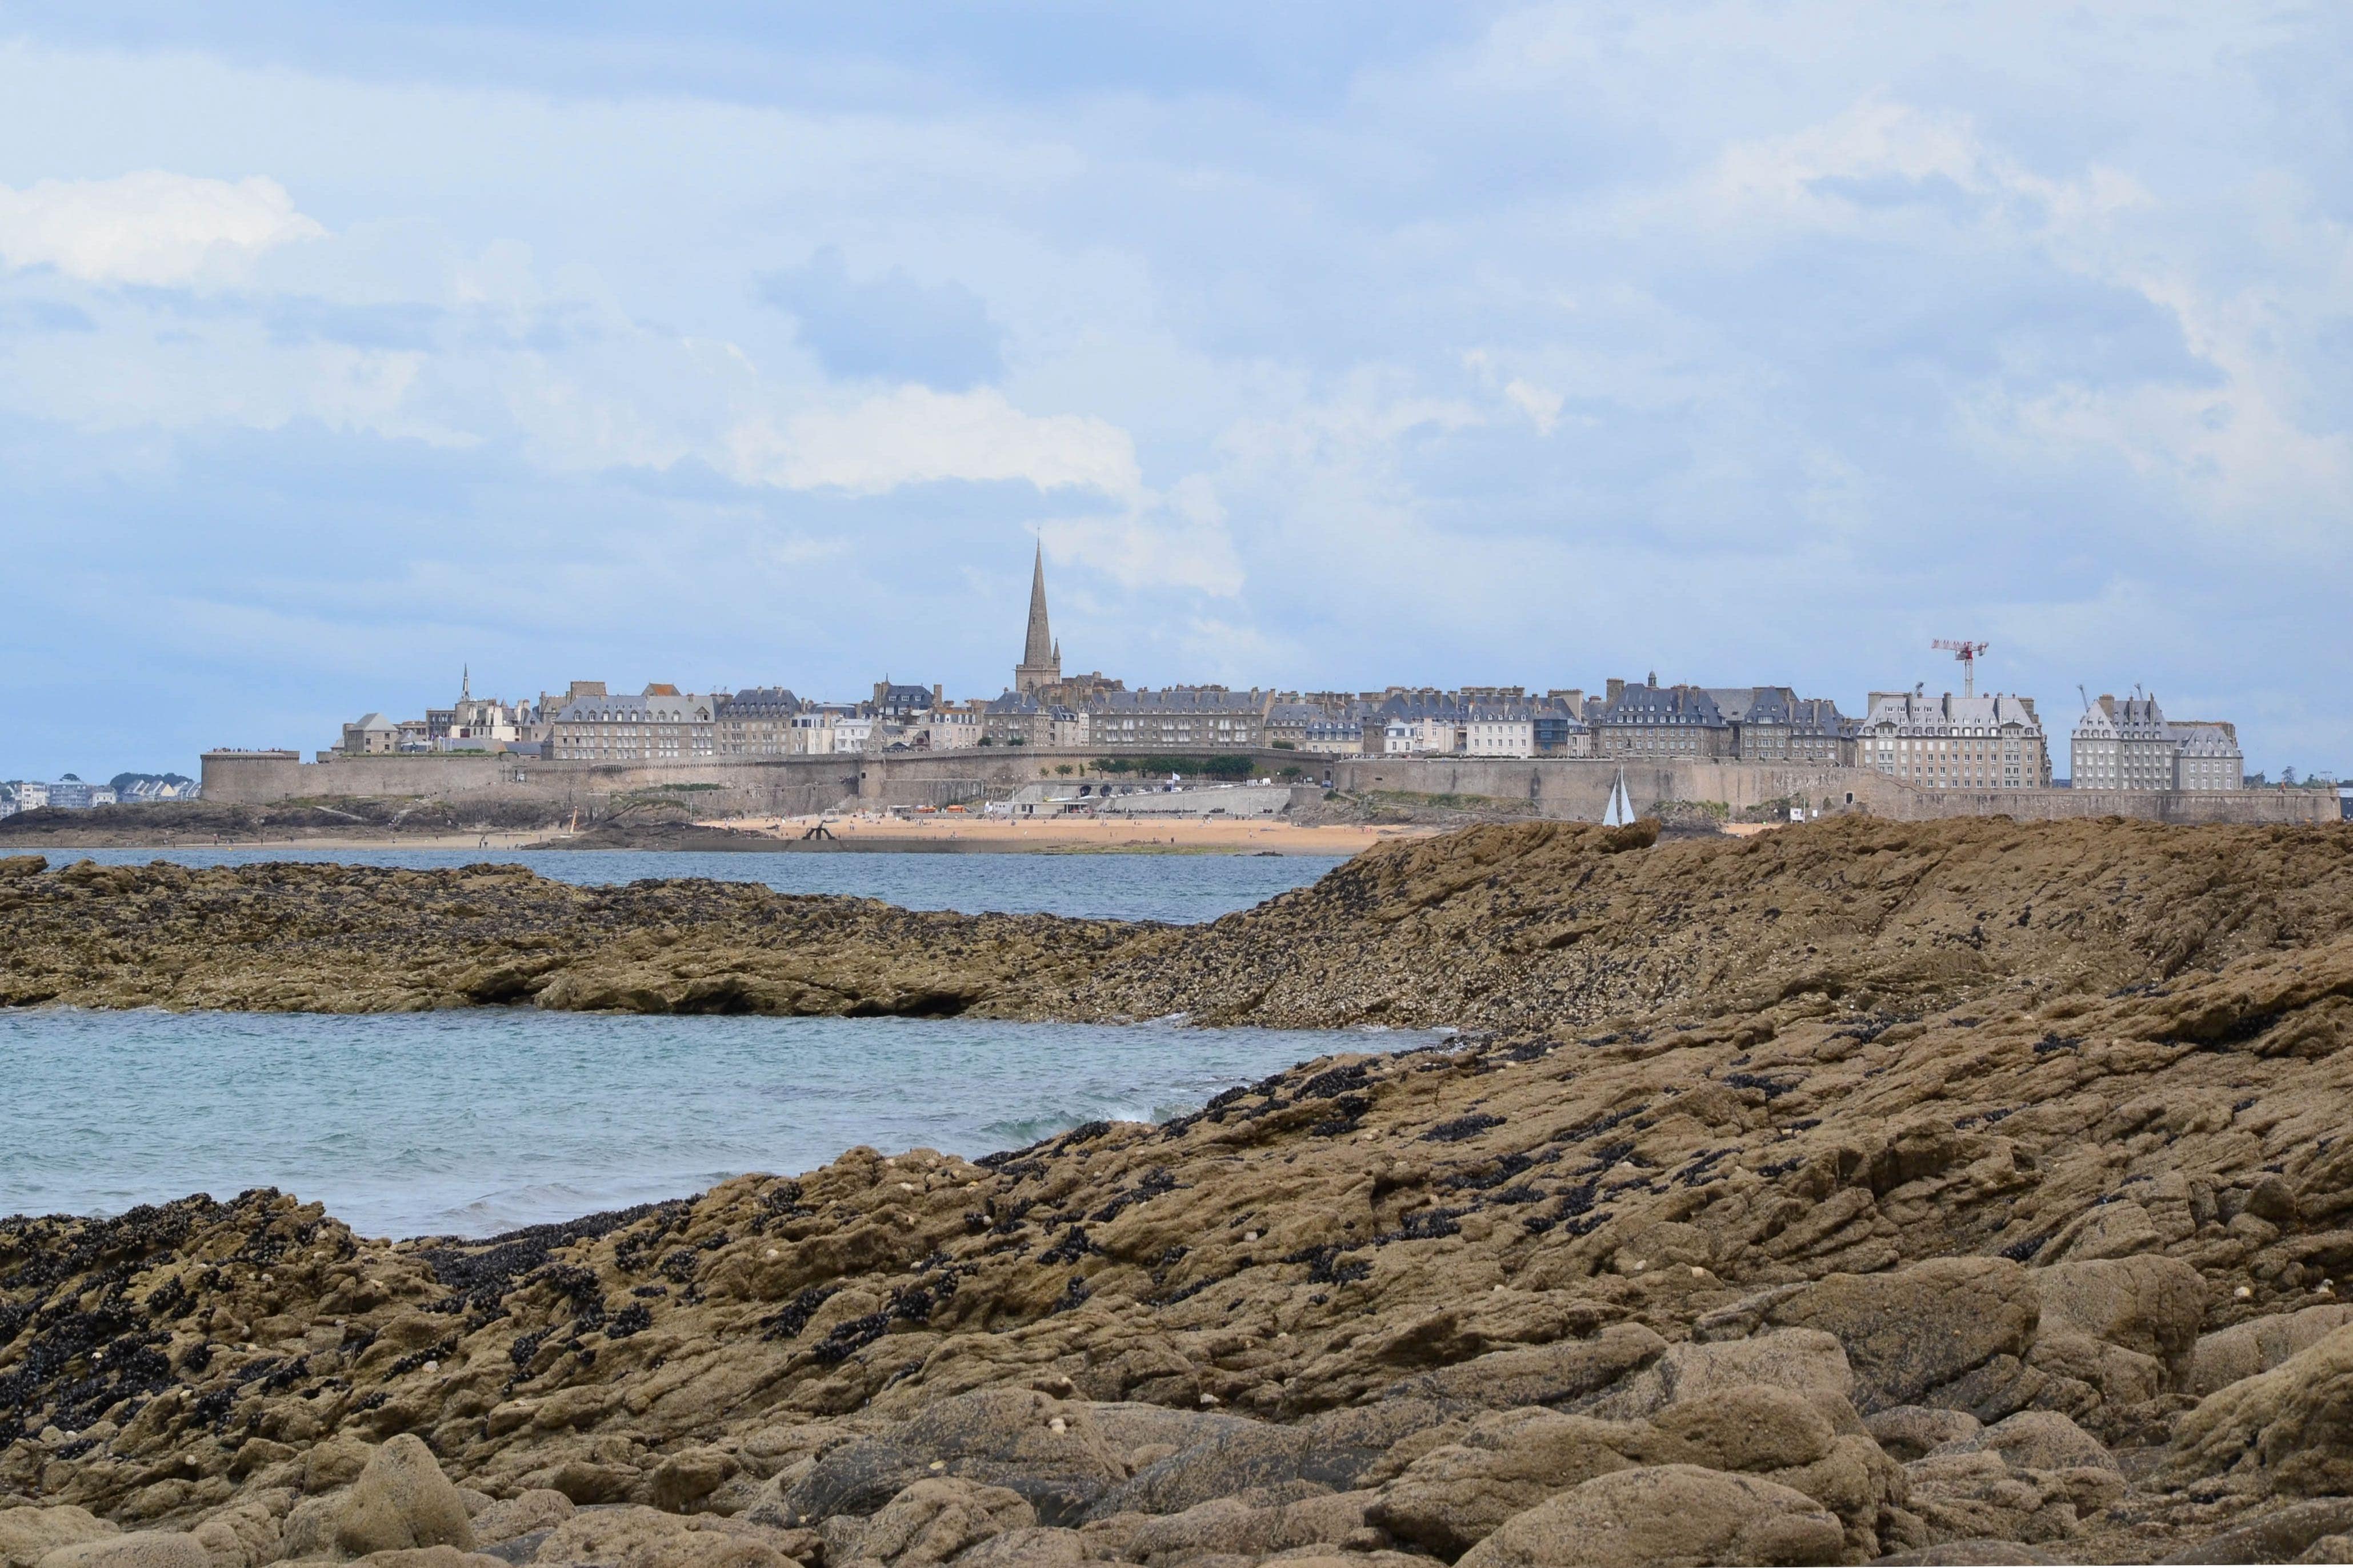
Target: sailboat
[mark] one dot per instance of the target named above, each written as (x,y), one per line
(1621,805)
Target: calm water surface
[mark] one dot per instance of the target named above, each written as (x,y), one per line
(481,1120)
(478,1121)
(1178,887)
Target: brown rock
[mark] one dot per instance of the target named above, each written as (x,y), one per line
(1037,1547)
(2036,1440)
(1979,1496)
(1754,1427)
(1917,1328)
(2259,1345)
(2292,1426)
(542,1508)
(27,1534)
(1540,1374)
(633,1537)
(2281,1535)
(1802,1361)
(1911,1431)
(2151,1306)
(685,1479)
(935,1520)
(1665,1514)
(141,1549)
(402,1500)
(1505,1464)
(430,1557)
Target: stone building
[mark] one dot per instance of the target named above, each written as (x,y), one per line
(2129,744)
(1955,742)
(948,728)
(1421,722)
(1774,724)
(896,704)
(755,722)
(372,736)
(2209,756)
(1328,724)
(2121,745)
(1656,722)
(1288,721)
(1016,719)
(1559,727)
(1333,738)
(660,724)
(1179,718)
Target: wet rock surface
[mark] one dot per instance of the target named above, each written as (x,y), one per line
(2010,1251)
(284,936)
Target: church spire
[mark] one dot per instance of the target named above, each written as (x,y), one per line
(466,683)
(1040,648)
(1041,657)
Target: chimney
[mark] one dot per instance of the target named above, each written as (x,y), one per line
(1617,689)
(936,695)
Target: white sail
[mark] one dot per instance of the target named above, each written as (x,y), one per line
(1621,805)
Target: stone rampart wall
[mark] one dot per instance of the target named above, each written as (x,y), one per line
(1578,788)
(1568,788)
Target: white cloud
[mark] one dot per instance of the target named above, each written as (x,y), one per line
(1180,542)
(150,227)
(1540,403)
(915,436)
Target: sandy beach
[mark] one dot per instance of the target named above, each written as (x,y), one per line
(852,832)
(1077,834)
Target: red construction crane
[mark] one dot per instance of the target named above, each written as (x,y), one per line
(1967,652)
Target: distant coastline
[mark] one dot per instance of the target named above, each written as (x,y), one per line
(860,838)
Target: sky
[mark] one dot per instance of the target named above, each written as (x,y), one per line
(1321,346)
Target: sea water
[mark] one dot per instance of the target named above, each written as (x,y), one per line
(1182,888)
(481,1120)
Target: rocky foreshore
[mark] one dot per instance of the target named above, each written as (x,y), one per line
(1960,1193)
(1534,925)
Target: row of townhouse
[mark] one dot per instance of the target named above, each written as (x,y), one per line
(664,724)
(661,723)
(68,794)
(1114,718)
(1963,741)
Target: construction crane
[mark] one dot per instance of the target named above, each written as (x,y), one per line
(1967,652)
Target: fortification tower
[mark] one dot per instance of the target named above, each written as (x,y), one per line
(1041,657)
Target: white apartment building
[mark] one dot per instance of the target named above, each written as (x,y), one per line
(1952,742)
(822,732)
(1499,732)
